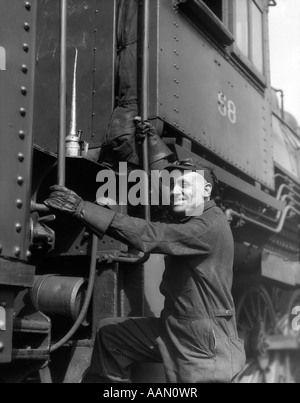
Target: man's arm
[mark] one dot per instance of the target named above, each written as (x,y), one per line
(191,238)
(167,239)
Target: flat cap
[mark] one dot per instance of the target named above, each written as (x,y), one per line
(191,165)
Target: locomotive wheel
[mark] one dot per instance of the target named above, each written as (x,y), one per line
(294,302)
(292,359)
(256,319)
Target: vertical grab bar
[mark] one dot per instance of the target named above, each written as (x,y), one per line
(61,174)
(144,89)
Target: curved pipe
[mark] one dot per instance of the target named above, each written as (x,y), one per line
(231,213)
(284,199)
(87,301)
(291,198)
(288,188)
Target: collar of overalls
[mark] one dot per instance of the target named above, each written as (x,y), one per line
(207,205)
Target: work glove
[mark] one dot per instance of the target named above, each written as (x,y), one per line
(120,139)
(64,200)
(159,152)
(144,128)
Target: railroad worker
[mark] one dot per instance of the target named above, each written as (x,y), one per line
(196,336)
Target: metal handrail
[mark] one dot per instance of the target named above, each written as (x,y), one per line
(231,213)
(140,259)
(282,188)
(61,178)
(144,93)
(61,172)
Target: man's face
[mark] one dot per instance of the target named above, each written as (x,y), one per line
(189,192)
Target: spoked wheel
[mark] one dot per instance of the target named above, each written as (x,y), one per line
(289,326)
(256,319)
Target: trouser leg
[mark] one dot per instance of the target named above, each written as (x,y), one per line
(120,343)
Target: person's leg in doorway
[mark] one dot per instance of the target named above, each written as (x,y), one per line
(120,343)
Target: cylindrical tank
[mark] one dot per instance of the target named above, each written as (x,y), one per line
(59,296)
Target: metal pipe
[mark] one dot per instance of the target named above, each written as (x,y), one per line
(73,123)
(281,92)
(144,90)
(231,213)
(61,174)
(272,3)
(39,208)
(280,176)
(287,187)
(280,191)
(132,260)
(293,200)
(279,213)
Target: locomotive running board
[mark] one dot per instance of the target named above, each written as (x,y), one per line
(17,274)
(282,343)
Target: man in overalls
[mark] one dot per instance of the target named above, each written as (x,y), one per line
(196,336)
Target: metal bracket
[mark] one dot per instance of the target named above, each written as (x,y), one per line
(282,343)
(109,257)
(2,319)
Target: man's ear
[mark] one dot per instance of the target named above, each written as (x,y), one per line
(207,190)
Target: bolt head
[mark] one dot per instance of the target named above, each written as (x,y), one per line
(24,69)
(23,112)
(22,134)
(21,157)
(19,203)
(24,91)
(17,251)
(18,228)
(20,180)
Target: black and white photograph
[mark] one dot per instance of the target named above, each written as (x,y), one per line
(149,194)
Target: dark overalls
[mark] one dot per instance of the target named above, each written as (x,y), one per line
(196,336)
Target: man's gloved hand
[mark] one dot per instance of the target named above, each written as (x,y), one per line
(65,201)
(144,128)
(159,152)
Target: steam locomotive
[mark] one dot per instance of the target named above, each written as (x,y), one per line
(73,74)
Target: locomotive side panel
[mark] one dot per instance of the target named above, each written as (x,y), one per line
(286,146)
(90,51)
(204,95)
(17,33)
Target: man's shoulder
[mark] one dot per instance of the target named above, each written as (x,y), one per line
(213,214)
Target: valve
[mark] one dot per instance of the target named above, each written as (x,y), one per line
(42,237)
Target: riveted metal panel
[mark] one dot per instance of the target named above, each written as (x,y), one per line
(17,37)
(202,93)
(90,30)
